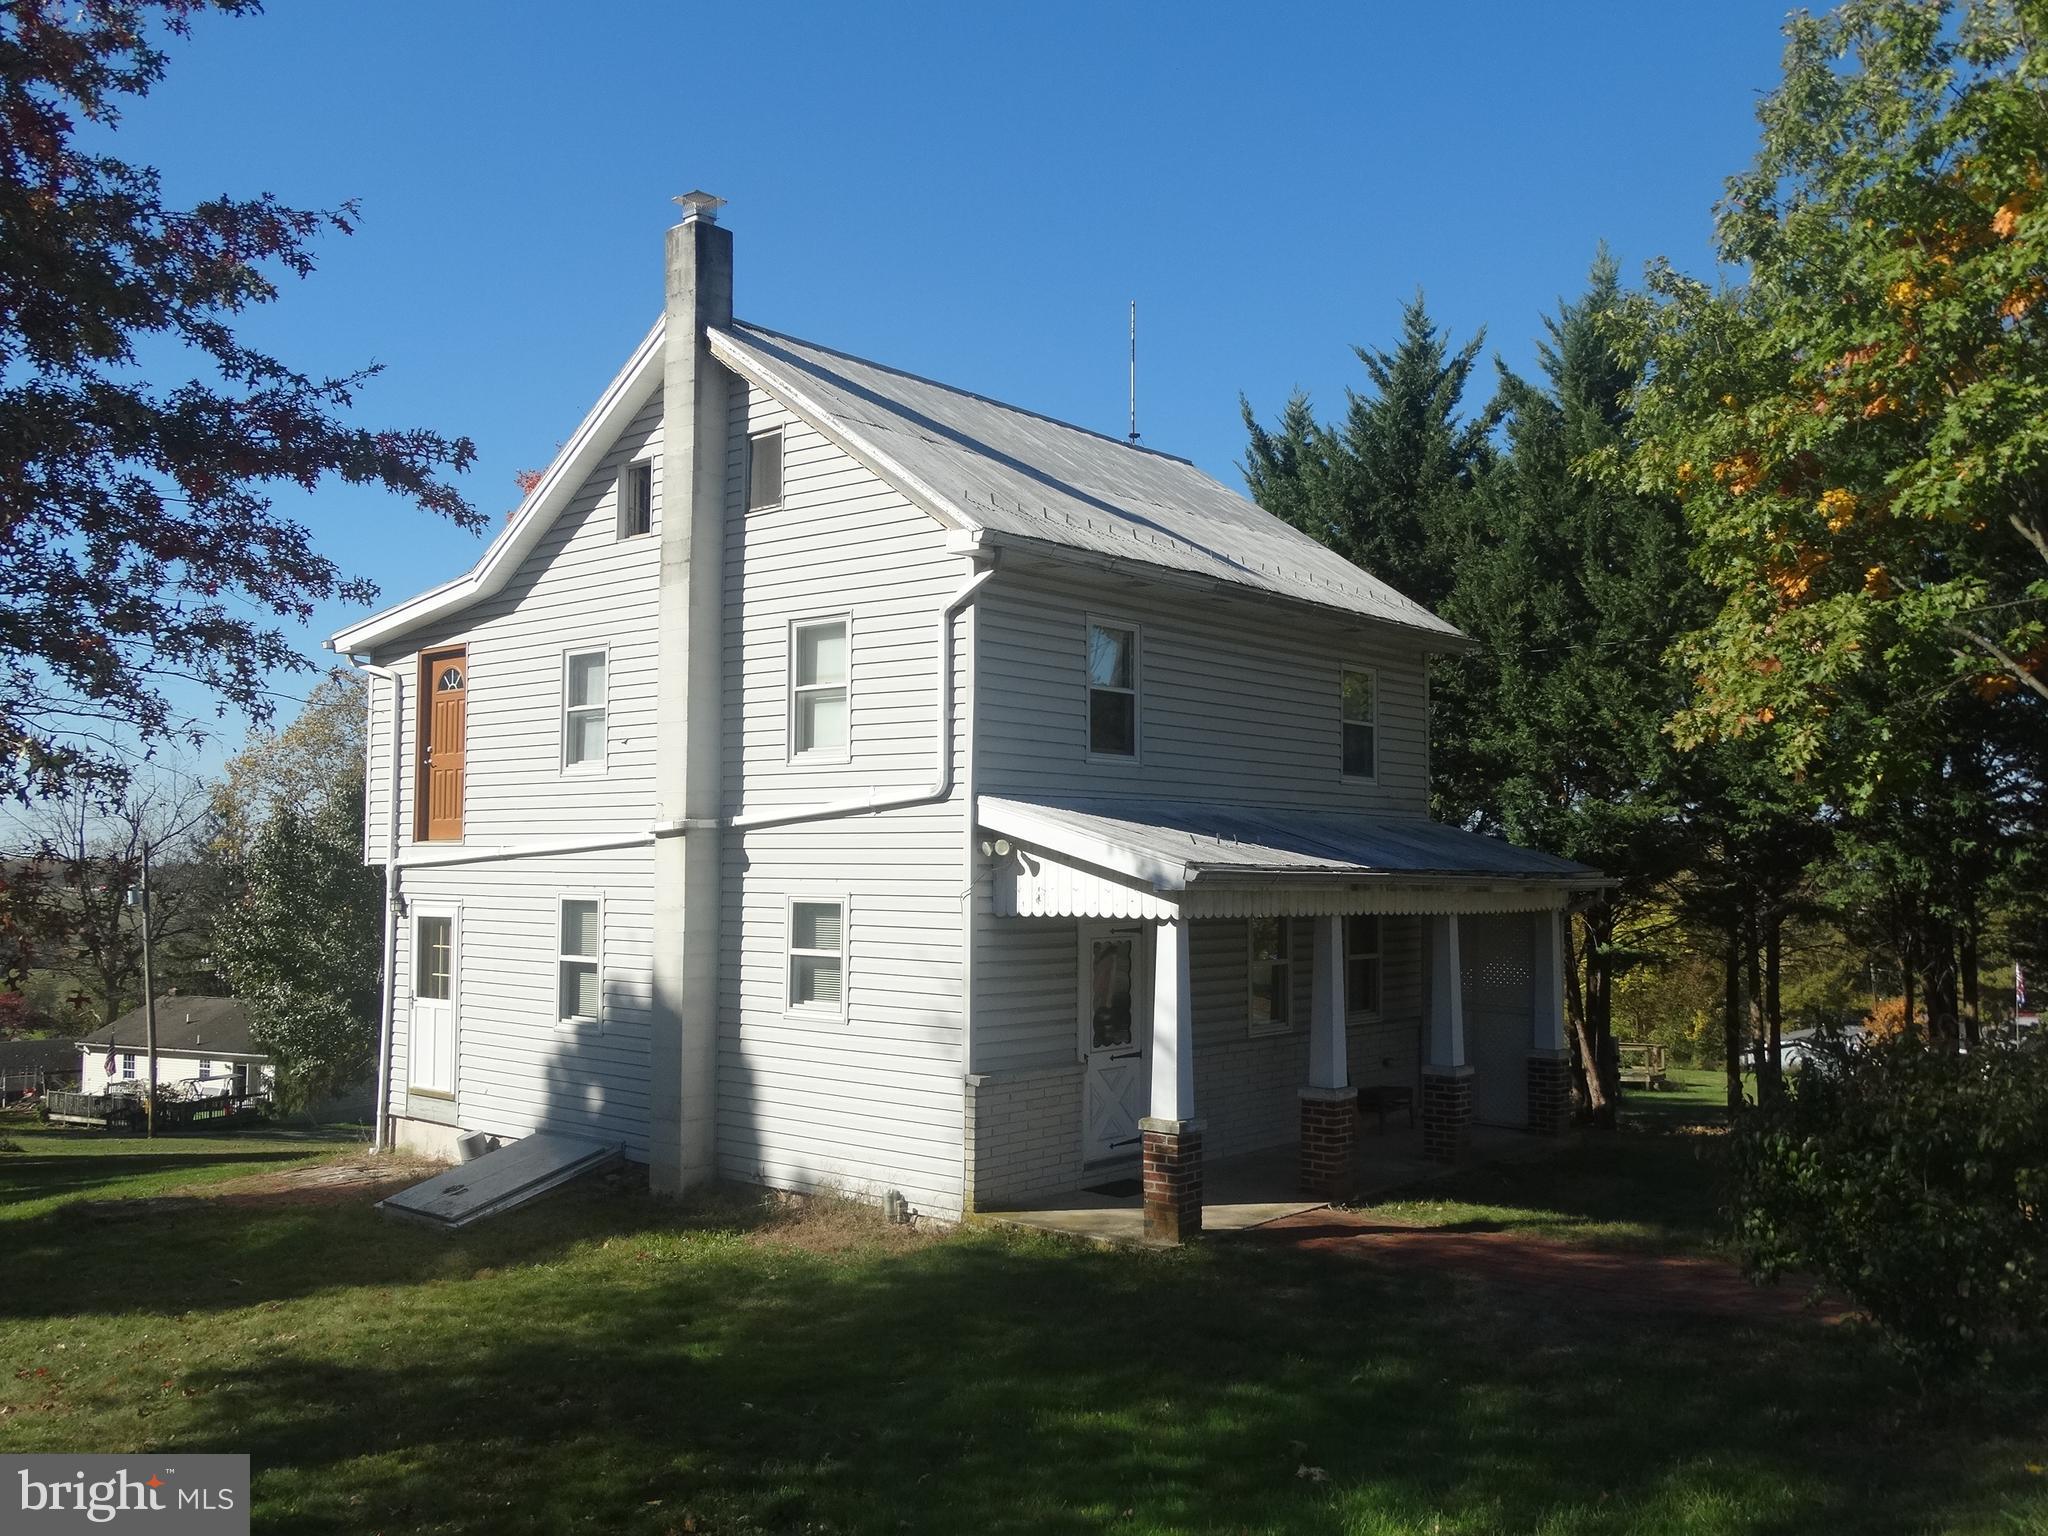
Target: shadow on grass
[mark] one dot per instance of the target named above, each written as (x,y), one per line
(1003,1384)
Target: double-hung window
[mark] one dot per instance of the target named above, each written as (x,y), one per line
(1112,690)
(1271,963)
(764,471)
(579,961)
(819,701)
(636,499)
(205,1069)
(1361,724)
(583,710)
(817,956)
(1361,965)
(128,1064)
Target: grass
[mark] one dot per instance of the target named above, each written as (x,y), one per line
(602,1361)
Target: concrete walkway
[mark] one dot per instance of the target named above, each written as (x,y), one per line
(1247,1192)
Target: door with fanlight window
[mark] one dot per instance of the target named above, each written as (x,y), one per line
(430,1054)
(444,727)
(1115,1022)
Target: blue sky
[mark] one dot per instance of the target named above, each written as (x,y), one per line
(970,192)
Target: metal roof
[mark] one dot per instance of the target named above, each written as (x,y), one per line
(1175,843)
(995,468)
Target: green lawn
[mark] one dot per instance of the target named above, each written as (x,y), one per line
(605,1362)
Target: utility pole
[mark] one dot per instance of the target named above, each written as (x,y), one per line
(148,994)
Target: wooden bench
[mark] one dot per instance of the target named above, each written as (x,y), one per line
(1381,1097)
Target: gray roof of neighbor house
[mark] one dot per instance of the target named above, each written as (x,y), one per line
(1173,842)
(988,466)
(185,1026)
(996,472)
(26,1055)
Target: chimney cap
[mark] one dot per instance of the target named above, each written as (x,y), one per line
(700,205)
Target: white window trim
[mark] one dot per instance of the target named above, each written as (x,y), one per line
(790,1007)
(599,764)
(1343,720)
(1252,1026)
(1137,691)
(747,507)
(626,472)
(807,757)
(127,1067)
(1366,1015)
(579,1021)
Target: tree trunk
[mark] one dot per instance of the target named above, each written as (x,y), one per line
(1759,1037)
(1907,961)
(1938,977)
(1731,1018)
(1973,1015)
(1602,1067)
(1773,1082)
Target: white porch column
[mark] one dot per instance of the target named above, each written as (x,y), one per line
(1446,993)
(1327,1067)
(1446,1078)
(1171,1160)
(1550,1060)
(1548,980)
(1173,1025)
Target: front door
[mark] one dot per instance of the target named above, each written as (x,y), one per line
(444,712)
(430,1050)
(1115,1026)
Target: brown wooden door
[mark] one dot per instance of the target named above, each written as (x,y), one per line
(444,694)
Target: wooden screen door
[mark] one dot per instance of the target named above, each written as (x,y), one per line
(444,703)
(1115,1030)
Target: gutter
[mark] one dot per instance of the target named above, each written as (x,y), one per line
(379,1141)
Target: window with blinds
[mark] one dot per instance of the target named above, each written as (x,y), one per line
(579,961)
(817,957)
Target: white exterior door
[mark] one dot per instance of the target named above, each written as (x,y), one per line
(430,1054)
(1115,1021)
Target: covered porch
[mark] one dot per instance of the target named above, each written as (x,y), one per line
(1141,881)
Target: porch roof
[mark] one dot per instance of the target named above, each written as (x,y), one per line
(1159,858)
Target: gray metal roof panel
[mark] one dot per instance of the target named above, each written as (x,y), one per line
(1010,471)
(1253,841)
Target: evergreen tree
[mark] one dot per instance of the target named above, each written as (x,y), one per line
(1385,488)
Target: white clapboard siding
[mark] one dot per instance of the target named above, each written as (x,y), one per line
(582,588)
(1238,701)
(517,1069)
(870,1103)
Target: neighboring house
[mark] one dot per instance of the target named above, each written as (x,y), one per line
(202,1047)
(828,777)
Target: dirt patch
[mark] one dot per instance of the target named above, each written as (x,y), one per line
(1549,1271)
(834,1224)
(334,1183)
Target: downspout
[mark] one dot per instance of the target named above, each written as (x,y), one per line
(378,1137)
(942,779)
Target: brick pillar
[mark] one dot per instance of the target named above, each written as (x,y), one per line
(1329,1143)
(1446,1113)
(1173,1179)
(1550,1092)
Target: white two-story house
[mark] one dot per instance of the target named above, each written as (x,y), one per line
(831,778)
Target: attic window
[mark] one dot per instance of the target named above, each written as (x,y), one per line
(764,471)
(636,500)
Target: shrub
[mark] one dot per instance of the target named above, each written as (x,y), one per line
(1913,1181)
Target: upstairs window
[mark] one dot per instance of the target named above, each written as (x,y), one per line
(1362,965)
(1361,724)
(636,500)
(764,471)
(1271,962)
(817,957)
(579,961)
(819,701)
(1112,691)
(583,709)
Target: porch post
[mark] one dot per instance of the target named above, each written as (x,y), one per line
(1329,1104)
(1550,1064)
(1446,1079)
(1170,1135)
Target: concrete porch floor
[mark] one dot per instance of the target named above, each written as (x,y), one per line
(1251,1189)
